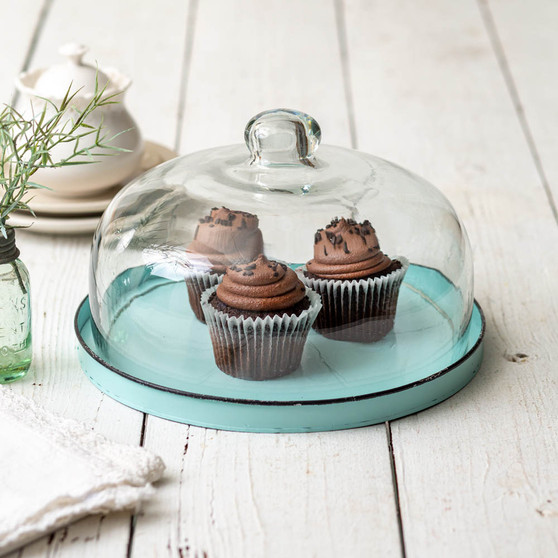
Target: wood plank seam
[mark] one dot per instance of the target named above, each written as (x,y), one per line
(39,25)
(498,47)
(186,65)
(395,489)
(348,90)
(184,546)
(133,516)
(341,26)
(349,99)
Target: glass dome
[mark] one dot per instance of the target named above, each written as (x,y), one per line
(394,310)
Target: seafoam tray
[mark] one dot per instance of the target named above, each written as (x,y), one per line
(159,360)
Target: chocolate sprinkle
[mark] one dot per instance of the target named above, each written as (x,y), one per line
(363,230)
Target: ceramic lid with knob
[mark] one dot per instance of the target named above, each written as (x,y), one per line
(83,77)
(276,274)
(82,81)
(53,82)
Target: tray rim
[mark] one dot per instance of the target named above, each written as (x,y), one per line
(271,403)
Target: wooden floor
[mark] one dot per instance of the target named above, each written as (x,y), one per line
(463,93)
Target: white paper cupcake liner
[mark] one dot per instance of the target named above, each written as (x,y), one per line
(361,310)
(197,282)
(259,348)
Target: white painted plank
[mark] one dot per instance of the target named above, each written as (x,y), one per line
(20,18)
(147,43)
(527,34)
(477,473)
(245,495)
(252,56)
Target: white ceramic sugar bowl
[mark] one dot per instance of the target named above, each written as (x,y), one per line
(52,83)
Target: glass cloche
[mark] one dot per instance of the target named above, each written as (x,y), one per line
(280,285)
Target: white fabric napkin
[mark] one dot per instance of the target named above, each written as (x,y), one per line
(55,471)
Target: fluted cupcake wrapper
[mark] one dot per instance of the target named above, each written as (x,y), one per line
(197,282)
(258,348)
(357,310)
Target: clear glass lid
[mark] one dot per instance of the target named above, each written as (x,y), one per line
(325,269)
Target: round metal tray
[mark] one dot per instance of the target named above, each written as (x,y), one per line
(339,384)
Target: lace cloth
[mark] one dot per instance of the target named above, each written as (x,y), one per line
(55,471)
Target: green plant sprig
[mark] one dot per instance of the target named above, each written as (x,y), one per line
(26,145)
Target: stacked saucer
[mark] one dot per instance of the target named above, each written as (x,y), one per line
(56,214)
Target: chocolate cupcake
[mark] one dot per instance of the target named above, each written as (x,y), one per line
(359,284)
(222,238)
(259,317)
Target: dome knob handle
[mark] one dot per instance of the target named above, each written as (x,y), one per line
(282,137)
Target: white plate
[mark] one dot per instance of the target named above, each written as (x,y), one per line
(56,225)
(45,202)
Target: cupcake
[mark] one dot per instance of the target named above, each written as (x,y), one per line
(259,317)
(357,282)
(222,238)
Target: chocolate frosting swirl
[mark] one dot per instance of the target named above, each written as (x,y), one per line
(346,249)
(262,285)
(225,237)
